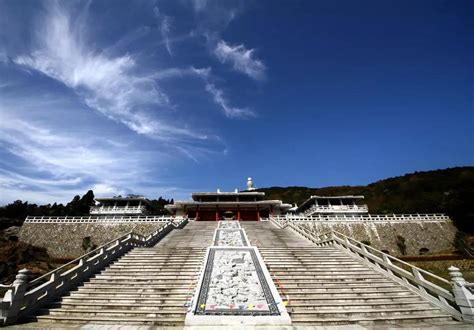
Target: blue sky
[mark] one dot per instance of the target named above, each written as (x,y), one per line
(163,98)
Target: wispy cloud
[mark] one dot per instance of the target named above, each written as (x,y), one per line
(3,56)
(107,84)
(242,59)
(231,112)
(199,5)
(219,97)
(48,162)
(164,22)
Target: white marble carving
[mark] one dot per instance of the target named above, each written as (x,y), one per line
(234,283)
(230,237)
(229,225)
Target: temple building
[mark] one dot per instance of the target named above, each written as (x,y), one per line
(213,206)
(349,205)
(121,206)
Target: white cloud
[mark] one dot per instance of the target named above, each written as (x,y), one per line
(107,84)
(58,165)
(199,5)
(165,28)
(3,56)
(242,59)
(219,98)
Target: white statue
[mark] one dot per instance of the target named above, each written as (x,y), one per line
(250,184)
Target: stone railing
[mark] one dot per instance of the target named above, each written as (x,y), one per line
(106,219)
(367,217)
(336,208)
(458,302)
(24,297)
(117,209)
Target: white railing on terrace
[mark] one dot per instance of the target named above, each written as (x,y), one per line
(117,209)
(96,219)
(458,302)
(336,208)
(366,217)
(24,297)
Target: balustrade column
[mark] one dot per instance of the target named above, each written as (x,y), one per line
(14,298)
(463,293)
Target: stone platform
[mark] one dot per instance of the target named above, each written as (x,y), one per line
(235,288)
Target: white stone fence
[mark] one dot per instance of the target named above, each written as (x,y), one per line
(336,208)
(366,217)
(458,302)
(117,209)
(103,219)
(24,297)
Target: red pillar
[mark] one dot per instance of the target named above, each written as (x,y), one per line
(258,214)
(217,214)
(238,213)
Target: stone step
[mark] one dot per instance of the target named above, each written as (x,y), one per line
(357,305)
(315,268)
(296,263)
(165,254)
(154,267)
(296,249)
(325,291)
(309,255)
(151,277)
(129,299)
(160,258)
(308,285)
(320,263)
(99,306)
(367,312)
(341,272)
(116,320)
(334,277)
(349,296)
(149,262)
(176,312)
(126,291)
(351,286)
(378,320)
(308,258)
(107,296)
(143,272)
(171,287)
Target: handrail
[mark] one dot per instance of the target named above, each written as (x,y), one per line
(100,219)
(414,278)
(336,208)
(366,217)
(25,297)
(117,209)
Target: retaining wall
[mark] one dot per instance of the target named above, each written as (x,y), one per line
(65,240)
(435,236)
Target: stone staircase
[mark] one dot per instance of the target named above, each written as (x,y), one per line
(327,286)
(145,286)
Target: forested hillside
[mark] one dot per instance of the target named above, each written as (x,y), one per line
(449,191)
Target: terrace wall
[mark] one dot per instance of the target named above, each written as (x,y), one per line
(65,240)
(419,236)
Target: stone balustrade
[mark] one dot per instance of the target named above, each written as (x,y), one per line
(458,302)
(106,219)
(117,209)
(336,209)
(367,217)
(24,297)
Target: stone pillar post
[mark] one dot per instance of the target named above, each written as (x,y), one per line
(13,299)
(463,293)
